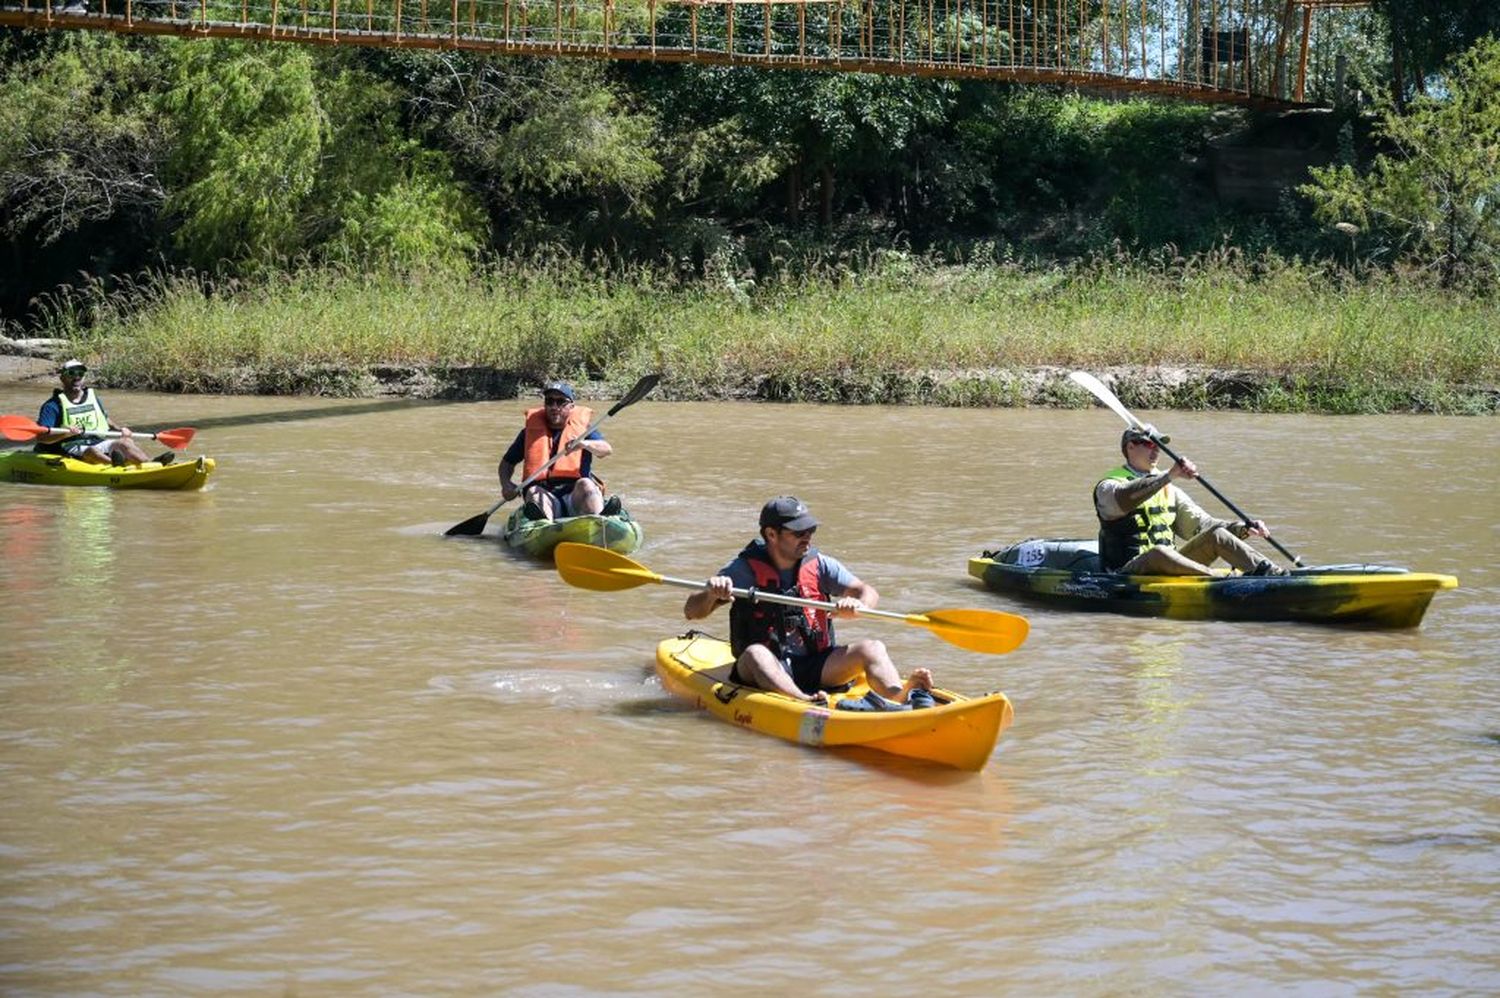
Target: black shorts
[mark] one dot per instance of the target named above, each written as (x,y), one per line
(806,670)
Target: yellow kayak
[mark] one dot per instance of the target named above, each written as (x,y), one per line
(959,731)
(31,468)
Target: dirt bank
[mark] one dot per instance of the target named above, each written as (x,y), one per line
(1160,387)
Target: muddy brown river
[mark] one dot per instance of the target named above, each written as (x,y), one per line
(281,737)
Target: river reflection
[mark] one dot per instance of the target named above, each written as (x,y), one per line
(282,736)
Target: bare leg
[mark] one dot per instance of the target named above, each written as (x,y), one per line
(870,658)
(764,670)
(130,450)
(1163,561)
(586,497)
(543,500)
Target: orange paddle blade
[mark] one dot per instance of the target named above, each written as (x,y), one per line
(176,439)
(20,428)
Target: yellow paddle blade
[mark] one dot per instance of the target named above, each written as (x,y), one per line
(589,567)
(988,631)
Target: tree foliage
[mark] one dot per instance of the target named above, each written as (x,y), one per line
(78,141)
(1426,34)
(1434,197)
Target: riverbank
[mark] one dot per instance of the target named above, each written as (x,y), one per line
(1266,336)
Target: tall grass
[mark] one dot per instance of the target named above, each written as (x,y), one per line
(898,330)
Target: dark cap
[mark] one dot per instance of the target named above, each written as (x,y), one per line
(787,513)
(561,388)
(1143,432)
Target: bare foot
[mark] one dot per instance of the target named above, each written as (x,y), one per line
(920,679)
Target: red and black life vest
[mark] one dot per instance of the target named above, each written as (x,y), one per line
(752,622)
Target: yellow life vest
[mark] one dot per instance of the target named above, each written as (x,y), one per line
(86,414)
(1148,525)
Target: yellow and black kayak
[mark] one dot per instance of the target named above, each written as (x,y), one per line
(1067,574)
(536,538)
(957,731)
(31,468)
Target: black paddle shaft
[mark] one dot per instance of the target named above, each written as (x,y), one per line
(1244,517)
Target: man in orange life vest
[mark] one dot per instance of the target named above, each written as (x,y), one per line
(789,649)
(568,489)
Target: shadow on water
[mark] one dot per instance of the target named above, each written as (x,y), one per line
(320,412)
(1427,840)
(285,416)
(652,707)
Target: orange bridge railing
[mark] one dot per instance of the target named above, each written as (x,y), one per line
(1226,51)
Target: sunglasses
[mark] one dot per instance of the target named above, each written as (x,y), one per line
(556,400)
(801,535)
(75,372)
(1147,443)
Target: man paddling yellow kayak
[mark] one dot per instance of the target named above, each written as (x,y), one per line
(791,650)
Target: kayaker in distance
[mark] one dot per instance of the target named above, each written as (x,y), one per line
(791,649)
(1141,513)
(569,488)
(81,422)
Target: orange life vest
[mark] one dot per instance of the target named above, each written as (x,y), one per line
(539,443)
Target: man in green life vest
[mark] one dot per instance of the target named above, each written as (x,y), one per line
(79,424)
(1141,515)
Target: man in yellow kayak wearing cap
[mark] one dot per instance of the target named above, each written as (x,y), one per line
(79,423)
(791,649)
(569,488)
(1141,513)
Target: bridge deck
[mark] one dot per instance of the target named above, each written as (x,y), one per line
(1219,51)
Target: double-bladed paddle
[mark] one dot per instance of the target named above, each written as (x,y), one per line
(1096,387)
(988,631)
(474,525)
(21,428)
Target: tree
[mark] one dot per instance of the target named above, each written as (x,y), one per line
(78,144)
(1435,196)
(1425,34)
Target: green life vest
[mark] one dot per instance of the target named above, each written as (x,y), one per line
(86,414)
(1147,526)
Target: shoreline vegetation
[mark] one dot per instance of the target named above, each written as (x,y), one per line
(1214,332)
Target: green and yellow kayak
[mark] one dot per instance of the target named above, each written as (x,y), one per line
(32,468)
(1066,574)
(536,538)
(959,731)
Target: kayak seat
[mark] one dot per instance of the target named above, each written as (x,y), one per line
(1067,555)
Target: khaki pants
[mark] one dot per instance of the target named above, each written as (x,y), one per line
(1194,557)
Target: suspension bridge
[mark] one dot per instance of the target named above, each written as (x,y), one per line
(1248,52)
